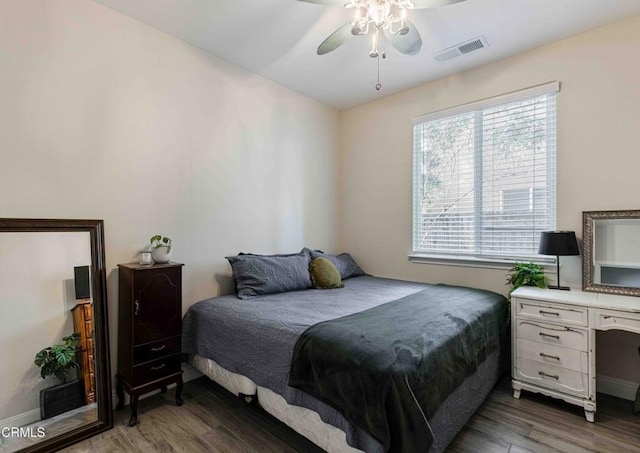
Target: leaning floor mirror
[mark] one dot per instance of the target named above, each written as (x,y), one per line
(55,381)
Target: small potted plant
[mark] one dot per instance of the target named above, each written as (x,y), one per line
(161,248)
(58,360)
(527,274)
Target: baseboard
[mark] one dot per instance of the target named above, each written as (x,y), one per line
(24,419)
(189,373)
(616,387)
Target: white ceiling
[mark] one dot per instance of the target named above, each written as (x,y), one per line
(278,38)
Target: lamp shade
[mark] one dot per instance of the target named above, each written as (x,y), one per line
(559,243)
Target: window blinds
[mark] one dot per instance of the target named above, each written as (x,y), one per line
(484,182)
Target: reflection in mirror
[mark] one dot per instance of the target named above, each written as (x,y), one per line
(47,315)
(611,262)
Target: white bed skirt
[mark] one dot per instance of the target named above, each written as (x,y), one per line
(236,383)
(302,420)
(450,417)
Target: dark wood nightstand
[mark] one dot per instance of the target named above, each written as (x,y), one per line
(149,331)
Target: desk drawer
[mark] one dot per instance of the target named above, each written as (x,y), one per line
(611,319)
(571,359)
(577,316)
(567,337)
(553,377)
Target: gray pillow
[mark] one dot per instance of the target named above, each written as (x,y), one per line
(344,262)
(256,275)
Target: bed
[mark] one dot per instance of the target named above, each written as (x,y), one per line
(247,346)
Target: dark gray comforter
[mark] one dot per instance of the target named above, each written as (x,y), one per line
(389,368)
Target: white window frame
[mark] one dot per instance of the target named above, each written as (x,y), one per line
(472,260)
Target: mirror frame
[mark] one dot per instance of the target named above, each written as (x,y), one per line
(95,228)
(588,218)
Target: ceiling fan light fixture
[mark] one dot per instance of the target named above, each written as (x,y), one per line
(380,13)
(389,15)
(360,24)
(374,49)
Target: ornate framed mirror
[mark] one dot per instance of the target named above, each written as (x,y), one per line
(52,286)
(611,252)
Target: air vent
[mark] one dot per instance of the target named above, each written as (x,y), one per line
(462,49)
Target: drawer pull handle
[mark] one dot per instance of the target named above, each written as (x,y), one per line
(542,334)
(159,349)
(137,310)
(556,357)
(552,376)
(156,368)
(552,313)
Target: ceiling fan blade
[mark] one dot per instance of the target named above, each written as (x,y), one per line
(335,39)
(420,4)
(409,43)
(326,2)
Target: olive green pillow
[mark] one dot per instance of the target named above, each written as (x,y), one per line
(325,274)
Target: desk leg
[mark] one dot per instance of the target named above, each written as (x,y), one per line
(590,416)
(516,389)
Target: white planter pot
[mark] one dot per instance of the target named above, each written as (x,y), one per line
(161,254)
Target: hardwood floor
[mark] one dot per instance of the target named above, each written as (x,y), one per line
(211,420)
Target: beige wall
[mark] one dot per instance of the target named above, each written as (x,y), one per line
(598,158)
(103,117)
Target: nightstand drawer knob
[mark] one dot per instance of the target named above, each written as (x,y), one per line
(156,368)
(158,349)
(556,357)
(552,376)
(542,334)
(552,313)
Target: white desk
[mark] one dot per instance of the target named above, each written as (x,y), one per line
(553,340)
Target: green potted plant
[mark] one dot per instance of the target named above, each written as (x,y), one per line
(526,274)
(58,360)
(161,248)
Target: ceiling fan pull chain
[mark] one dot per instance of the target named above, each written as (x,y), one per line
(378,85)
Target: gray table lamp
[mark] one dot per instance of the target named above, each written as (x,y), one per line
(558,243)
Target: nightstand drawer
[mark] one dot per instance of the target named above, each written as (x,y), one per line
(553,377)
(151,371)
(577,316)
(156,350)
(571,359)
(567,337)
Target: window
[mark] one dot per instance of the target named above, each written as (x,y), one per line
(484,183)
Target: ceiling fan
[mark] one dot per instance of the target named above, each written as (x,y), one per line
(376,16)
